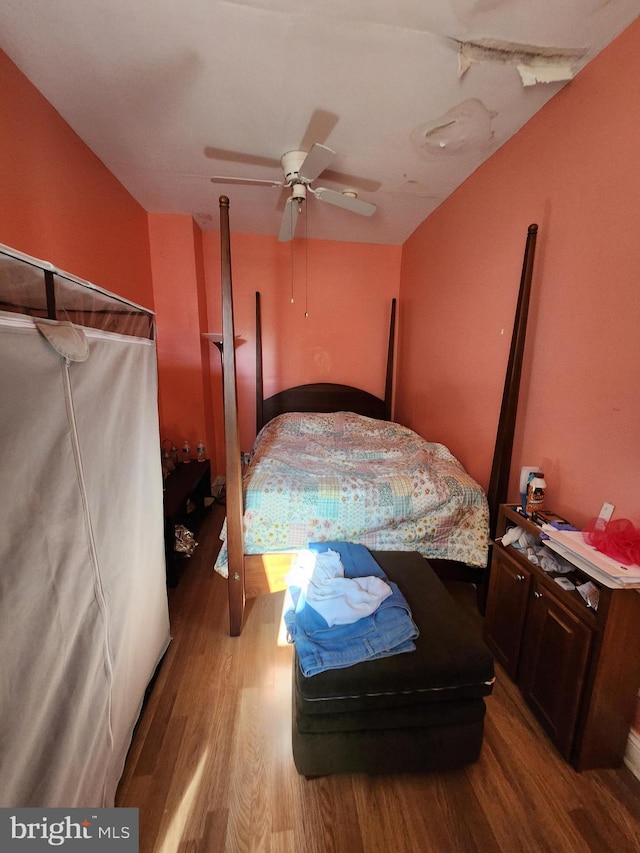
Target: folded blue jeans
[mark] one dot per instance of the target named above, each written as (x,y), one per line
(389,630)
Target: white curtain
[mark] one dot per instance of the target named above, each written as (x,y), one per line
(83,605)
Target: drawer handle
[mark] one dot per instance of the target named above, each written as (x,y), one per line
(537,594)
(520,578)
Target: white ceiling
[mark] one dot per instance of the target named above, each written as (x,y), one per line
(168,93)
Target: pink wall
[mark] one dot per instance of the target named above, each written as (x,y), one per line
(183,354)
(347,296)
(574,170)
(59,203)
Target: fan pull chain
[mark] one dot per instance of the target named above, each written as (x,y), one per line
(306,264)
(291,215)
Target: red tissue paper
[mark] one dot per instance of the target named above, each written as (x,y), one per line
(618,539)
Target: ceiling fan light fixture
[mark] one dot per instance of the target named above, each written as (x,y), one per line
(299,193)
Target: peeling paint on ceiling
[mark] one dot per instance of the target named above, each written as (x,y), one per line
(534,64)
(171,94)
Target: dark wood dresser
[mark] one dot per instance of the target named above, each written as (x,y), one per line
(578,668)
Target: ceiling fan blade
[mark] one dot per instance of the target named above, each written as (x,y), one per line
(290,216)
(319,128)
(316,161)
(365,185)
(348,202)
(240,157)
(226,179)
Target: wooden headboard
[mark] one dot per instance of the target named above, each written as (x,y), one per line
(322,396)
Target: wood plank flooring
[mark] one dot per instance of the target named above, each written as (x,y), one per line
(211,771)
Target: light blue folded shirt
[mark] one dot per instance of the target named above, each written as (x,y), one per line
(389,630)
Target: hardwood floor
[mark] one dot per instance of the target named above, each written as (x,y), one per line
(211,771)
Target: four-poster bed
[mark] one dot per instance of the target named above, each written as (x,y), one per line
(262,571)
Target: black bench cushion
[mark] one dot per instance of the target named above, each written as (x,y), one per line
(425,715)
(451,662)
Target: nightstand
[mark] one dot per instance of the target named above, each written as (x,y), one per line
(185,490)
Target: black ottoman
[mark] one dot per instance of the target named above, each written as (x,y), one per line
(423,710)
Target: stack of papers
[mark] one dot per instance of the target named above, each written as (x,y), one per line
(571,545)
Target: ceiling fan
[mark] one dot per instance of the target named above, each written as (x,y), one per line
(299,170)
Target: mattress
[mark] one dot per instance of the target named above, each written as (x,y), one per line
(342,476)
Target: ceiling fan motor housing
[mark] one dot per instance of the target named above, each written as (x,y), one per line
(291,164)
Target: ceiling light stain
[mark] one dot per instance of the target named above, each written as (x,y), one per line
(464,128)
(414,187)
(534,64)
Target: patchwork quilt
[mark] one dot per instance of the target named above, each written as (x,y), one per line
(342,476)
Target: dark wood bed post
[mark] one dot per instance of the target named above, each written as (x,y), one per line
(233,472)
(259,375)
(499,480)
(388,386)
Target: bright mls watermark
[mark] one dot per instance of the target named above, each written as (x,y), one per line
(80,830)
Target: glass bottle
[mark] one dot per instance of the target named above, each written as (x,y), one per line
(535,492)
